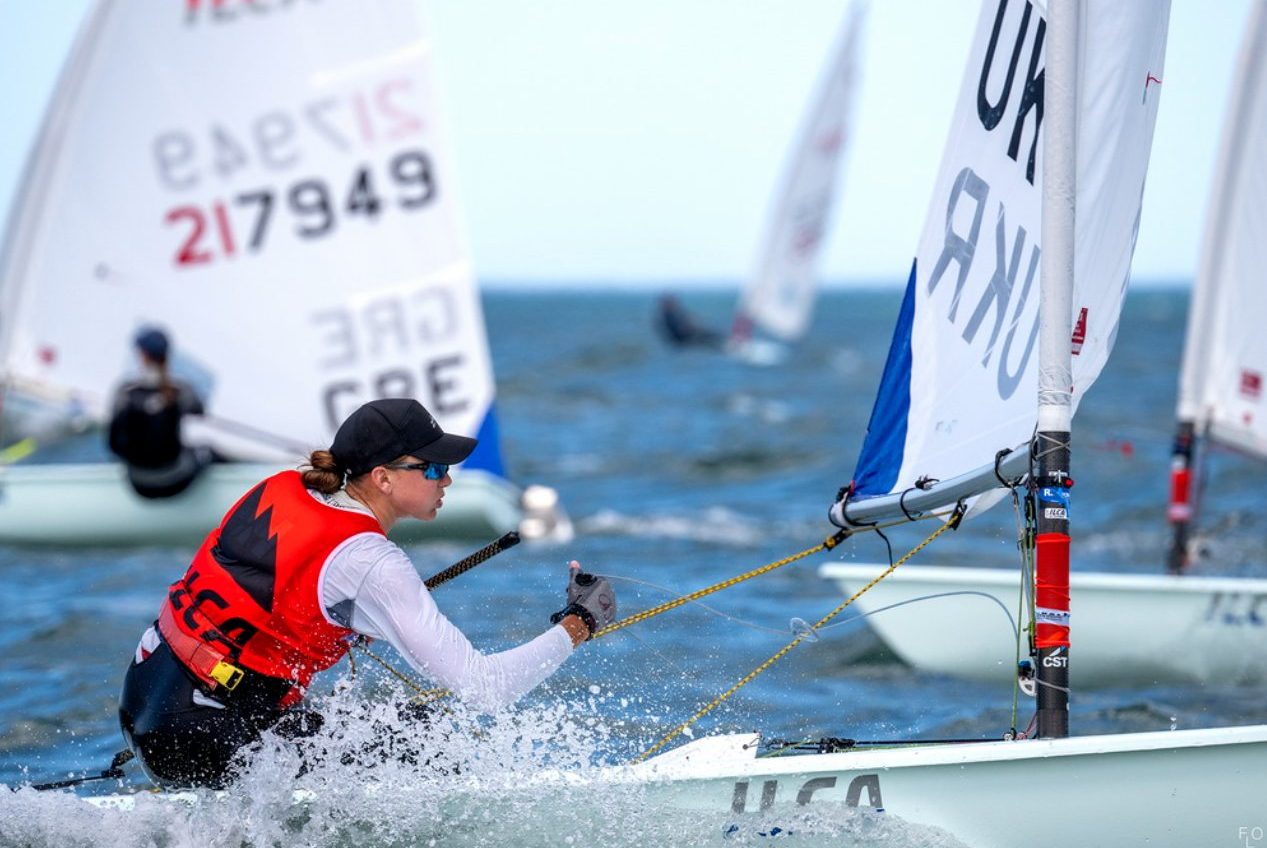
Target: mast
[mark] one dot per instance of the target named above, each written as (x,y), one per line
(1055,372)
(1181,508)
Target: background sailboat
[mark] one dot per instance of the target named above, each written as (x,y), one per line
(778,301)
(1093,160)
(274,188)
(1215,627)
(1221,383)
(776,304)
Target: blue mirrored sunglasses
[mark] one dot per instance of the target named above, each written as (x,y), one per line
(430,470)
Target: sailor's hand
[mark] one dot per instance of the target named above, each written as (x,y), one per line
(590,597)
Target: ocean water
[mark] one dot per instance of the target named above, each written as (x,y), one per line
(679,468)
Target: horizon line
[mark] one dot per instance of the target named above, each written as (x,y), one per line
(720,284)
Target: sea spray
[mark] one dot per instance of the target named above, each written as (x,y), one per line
(382,773)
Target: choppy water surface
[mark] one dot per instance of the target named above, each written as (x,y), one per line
(680,468)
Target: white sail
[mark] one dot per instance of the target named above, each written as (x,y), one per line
(779,297)
(1221,385)
(272,185)
(961,378)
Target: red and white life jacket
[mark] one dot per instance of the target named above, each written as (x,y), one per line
(250,599)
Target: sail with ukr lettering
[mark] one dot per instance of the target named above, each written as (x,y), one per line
(961,376)
(779,297)
(272,185)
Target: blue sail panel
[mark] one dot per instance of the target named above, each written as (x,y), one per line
(885,442)
(487,455)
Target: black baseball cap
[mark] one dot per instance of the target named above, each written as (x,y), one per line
(152,342)
(385,429)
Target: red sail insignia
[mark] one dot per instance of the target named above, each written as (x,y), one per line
(1080,332)
(1251,384)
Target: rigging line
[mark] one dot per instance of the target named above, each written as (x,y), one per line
(1028,554)
(492,549)
(888,546)
(1029,728)
(830,542)
(1053,445)
(1051,685)
(423,695)
(1011,622)
(1022,515)
(1025,511)
(825,545)
(1013,628)
(836,744)
(664,658)
(238,428)
(952,524)
(703,606)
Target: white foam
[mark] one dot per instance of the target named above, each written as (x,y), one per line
(526,778)
(716,525)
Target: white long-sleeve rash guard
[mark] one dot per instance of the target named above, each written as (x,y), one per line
(369,585)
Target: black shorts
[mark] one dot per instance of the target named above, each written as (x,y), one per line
(170,480)
(183,744)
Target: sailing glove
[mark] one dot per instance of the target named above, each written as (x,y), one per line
(591,598)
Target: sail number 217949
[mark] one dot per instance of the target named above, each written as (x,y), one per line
(311,208)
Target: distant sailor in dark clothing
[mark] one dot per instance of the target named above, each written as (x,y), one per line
(145,424)
(681,329)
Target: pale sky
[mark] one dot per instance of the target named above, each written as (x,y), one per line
(640,142)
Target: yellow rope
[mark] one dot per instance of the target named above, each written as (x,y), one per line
(423,696)
(427,695)
(826,545)
(783,652)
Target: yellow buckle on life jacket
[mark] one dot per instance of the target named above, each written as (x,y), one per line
(227,675)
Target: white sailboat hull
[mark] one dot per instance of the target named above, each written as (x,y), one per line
(1173,789)
(1179,788)
(92,504)
(1199,629)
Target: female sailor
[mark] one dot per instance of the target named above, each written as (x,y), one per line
(296,569)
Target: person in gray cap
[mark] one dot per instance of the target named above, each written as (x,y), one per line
(298,568)
(145,424)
